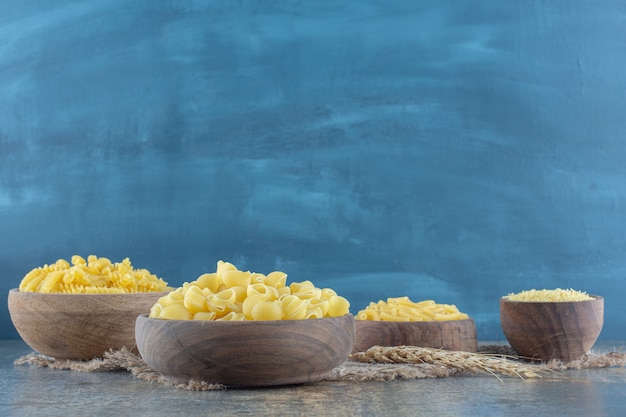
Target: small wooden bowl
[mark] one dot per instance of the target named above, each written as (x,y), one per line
(450,335)
(245,353)
(78,326)
(552,330)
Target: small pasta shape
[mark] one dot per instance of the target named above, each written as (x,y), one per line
(270,293)
(96,275)
(175,312)
(209,281)
(323,305)
(204,315)
(294,308)
(224,266)
(403,309)
(231,294)
(218,305)
(297,286)
(313,313)
(328,293)
(257,278)
(309,293)
(267,310)
(554,295)
(235,278)
(337,305)
(232,316)
(194,300)
(249,303)
(276,279)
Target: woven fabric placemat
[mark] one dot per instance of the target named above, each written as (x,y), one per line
(376,364)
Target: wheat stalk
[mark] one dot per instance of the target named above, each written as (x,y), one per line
(479,363)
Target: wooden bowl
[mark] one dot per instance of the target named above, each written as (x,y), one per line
(552,330)
(245,353)
(450,335)
(78,326)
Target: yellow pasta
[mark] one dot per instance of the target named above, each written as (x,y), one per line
(554,295)
(294,308)
(313,313)
(337,306)
(175,311)
(310,293)
(267,310)
(233,278)
(91,276)
(323,305)
(232,316)
(276,279)
(209,281)
(204,315)
(249,303)
(194,300)
(403,309)
(231,294)
(270,293)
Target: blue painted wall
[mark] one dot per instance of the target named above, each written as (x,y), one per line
(448,150)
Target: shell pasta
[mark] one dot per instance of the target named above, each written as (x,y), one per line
(231,294)
(403,309)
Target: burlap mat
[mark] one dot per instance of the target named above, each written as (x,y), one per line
(377,364)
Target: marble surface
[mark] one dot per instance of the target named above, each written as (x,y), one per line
(32,391)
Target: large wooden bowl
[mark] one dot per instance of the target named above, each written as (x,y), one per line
(245,353)
(552,330)
(450,335)
(78,326)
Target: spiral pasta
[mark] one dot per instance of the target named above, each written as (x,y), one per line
(96,275)
(403,309)
(231,294)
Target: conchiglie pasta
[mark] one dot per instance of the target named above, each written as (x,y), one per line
(294,308)
(175,312)
(267,310)
(234,278)
(231,294)
(270,293)
(194,300)
(209,281)
(204,315)
(337,305)
(249,303)
(232,316)
(276,279)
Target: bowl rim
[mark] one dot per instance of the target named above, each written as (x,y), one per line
(55,294)
(596,298)
(469,319)
(245,322)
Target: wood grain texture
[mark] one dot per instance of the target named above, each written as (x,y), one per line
(245,353)
(552,330)
(77,326)
(451,335)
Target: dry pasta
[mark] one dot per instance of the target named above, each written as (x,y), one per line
(96,275)
(231,294)
(554,295)
(403,309)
